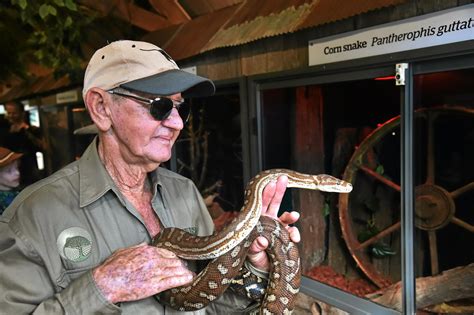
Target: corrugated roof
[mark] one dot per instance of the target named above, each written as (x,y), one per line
(192,37)
(243,22)
(327,11)
(253,9)
(256,19)
(270,20)
(39,85)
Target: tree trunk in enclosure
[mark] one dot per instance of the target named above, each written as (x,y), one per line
(309,158)
(453,284)
(449,292)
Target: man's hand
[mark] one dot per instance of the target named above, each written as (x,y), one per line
(17,127)
(140,271)
(271,199)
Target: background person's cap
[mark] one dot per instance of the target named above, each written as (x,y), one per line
(87,130)
(142,67)
(7,156)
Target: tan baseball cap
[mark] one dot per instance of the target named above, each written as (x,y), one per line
(142,67)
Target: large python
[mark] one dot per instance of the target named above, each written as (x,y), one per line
(229,247)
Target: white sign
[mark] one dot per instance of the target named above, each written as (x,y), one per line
(66,97)
(443,27)
(192,69)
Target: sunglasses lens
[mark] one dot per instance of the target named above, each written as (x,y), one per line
(160,109)
(184,110)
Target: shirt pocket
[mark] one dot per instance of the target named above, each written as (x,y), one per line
(71,270)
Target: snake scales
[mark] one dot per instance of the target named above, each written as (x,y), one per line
(228,248)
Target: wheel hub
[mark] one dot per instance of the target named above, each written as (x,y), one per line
(434,207)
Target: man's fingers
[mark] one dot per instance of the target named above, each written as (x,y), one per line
(175,280)
(260,244)
(294,234)
(171,271)
(267,195)
(161,279)
(165,253)
(273,195)
(289,217)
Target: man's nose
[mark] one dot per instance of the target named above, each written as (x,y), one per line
(174,121)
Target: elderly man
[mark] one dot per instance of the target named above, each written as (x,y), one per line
(77,241)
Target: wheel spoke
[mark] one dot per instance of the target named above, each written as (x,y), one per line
(463,224)
(380,235)
(380,178)
(433,252)
(462,190)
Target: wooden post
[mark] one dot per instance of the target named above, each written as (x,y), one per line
(309,158)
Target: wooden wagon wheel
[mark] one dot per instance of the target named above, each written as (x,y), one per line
(435,205)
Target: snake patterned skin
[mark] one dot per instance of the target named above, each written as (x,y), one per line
(228,248)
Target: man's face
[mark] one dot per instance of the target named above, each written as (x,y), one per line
(144,140)
(14,113)
(10,176)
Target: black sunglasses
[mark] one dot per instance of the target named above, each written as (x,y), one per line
(160,107)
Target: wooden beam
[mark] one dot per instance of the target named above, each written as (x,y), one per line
(139,17)
(171,10)
(126,10)
(103,7)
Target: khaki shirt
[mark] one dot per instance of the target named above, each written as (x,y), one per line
(61,227)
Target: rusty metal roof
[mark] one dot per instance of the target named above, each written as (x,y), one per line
(216,24)
(327,11)
(191,37)
(39,85)
(256,19)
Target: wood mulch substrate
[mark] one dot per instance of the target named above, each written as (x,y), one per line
(327,275)
(225,218)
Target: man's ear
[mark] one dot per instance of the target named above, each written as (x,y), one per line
(98,104)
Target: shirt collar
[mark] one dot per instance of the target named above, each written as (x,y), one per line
(155,180)
(94,181)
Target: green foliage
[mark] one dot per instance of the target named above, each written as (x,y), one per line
(378,249)
(49,33)
(381,250)
(326,209)
(380,169)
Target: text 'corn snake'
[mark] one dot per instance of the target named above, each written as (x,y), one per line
(228,248)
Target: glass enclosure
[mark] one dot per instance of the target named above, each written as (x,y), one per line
(209,151)
(58,125)
(351,129)
(55,122)
(319,129)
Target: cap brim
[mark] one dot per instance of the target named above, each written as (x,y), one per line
(87,130)
(172,82)
(12,157)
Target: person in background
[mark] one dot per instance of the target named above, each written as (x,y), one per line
(9,177)
(77,242)
(26,139)
(4,129)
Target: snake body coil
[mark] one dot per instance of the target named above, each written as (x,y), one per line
(229,247)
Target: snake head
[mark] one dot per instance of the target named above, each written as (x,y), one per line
(330,183)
